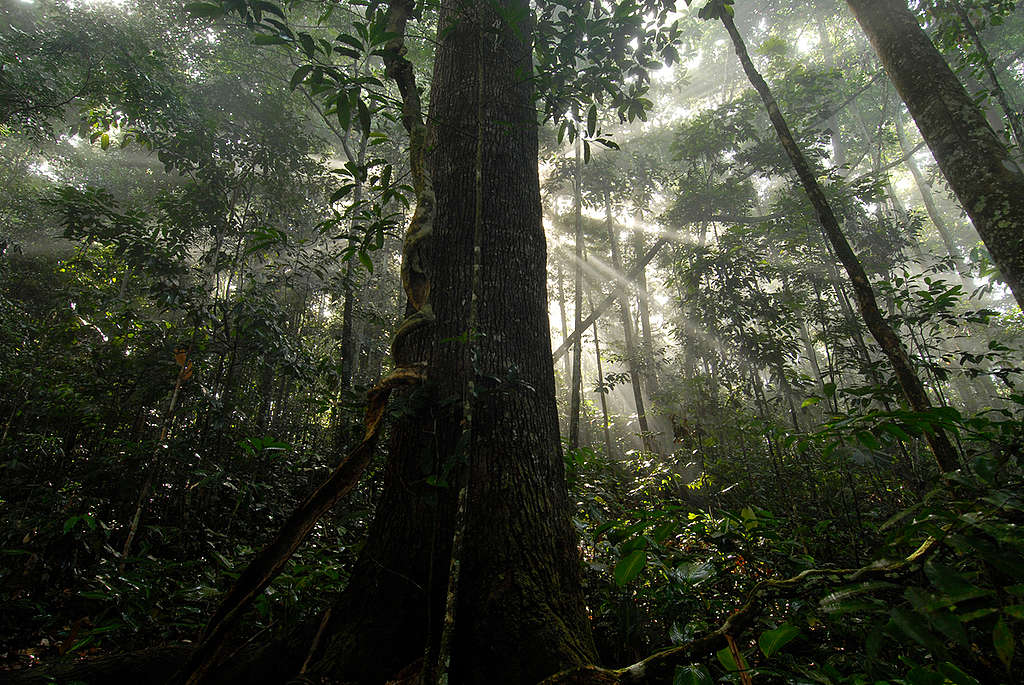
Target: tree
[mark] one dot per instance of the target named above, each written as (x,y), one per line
(913,390)
(987,180)
(488,351)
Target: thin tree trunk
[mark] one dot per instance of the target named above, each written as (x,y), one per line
(566,362)
(604,395)
(945,455)
(577,351)
(1004,102)
(938,220)
(644,306)
(627,332)
(607,302)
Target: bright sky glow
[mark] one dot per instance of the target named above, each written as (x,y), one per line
(45,169)
(807,42)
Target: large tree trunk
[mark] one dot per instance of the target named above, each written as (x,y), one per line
(988,182)
(519,613)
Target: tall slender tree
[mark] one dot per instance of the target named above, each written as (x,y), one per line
(913,390)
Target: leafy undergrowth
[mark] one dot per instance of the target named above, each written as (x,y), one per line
(863,591)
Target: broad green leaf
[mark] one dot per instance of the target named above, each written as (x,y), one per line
(695,572)
(694,674)
(771,641)
(591,121)
(630,566)
(364,116)
(268,39)
(1002,639)
(300,75)
(950,582)
(204,9)
(1014,610)
(105,141)
(868,440)
(913,626)
(365,259)
(924,676)
(663,531)
(308,45)
(725,658)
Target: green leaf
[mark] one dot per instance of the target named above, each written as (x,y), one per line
(630,566)
(308,46)
(365,259)
(1014,610)
(342,192)
(350,40)
(694,674)
(725,658)
(268,39)
(809,401)
(204,9)
(950,582)
(695,572)
(364,116)
(955,675)
(591,121)
(924,676)
(105,141)
(586,152)
(771,641)
(663,531)
(344,113)
(868,440)
(1002,639)
(912,625)
(300,75)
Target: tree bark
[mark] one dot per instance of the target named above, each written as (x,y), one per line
(519,610)
(978,167)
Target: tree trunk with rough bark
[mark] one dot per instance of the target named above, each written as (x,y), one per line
(519,613)
(985,178)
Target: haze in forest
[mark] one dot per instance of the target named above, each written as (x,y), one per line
(511,342)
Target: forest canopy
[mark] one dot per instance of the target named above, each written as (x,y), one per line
(518,341)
